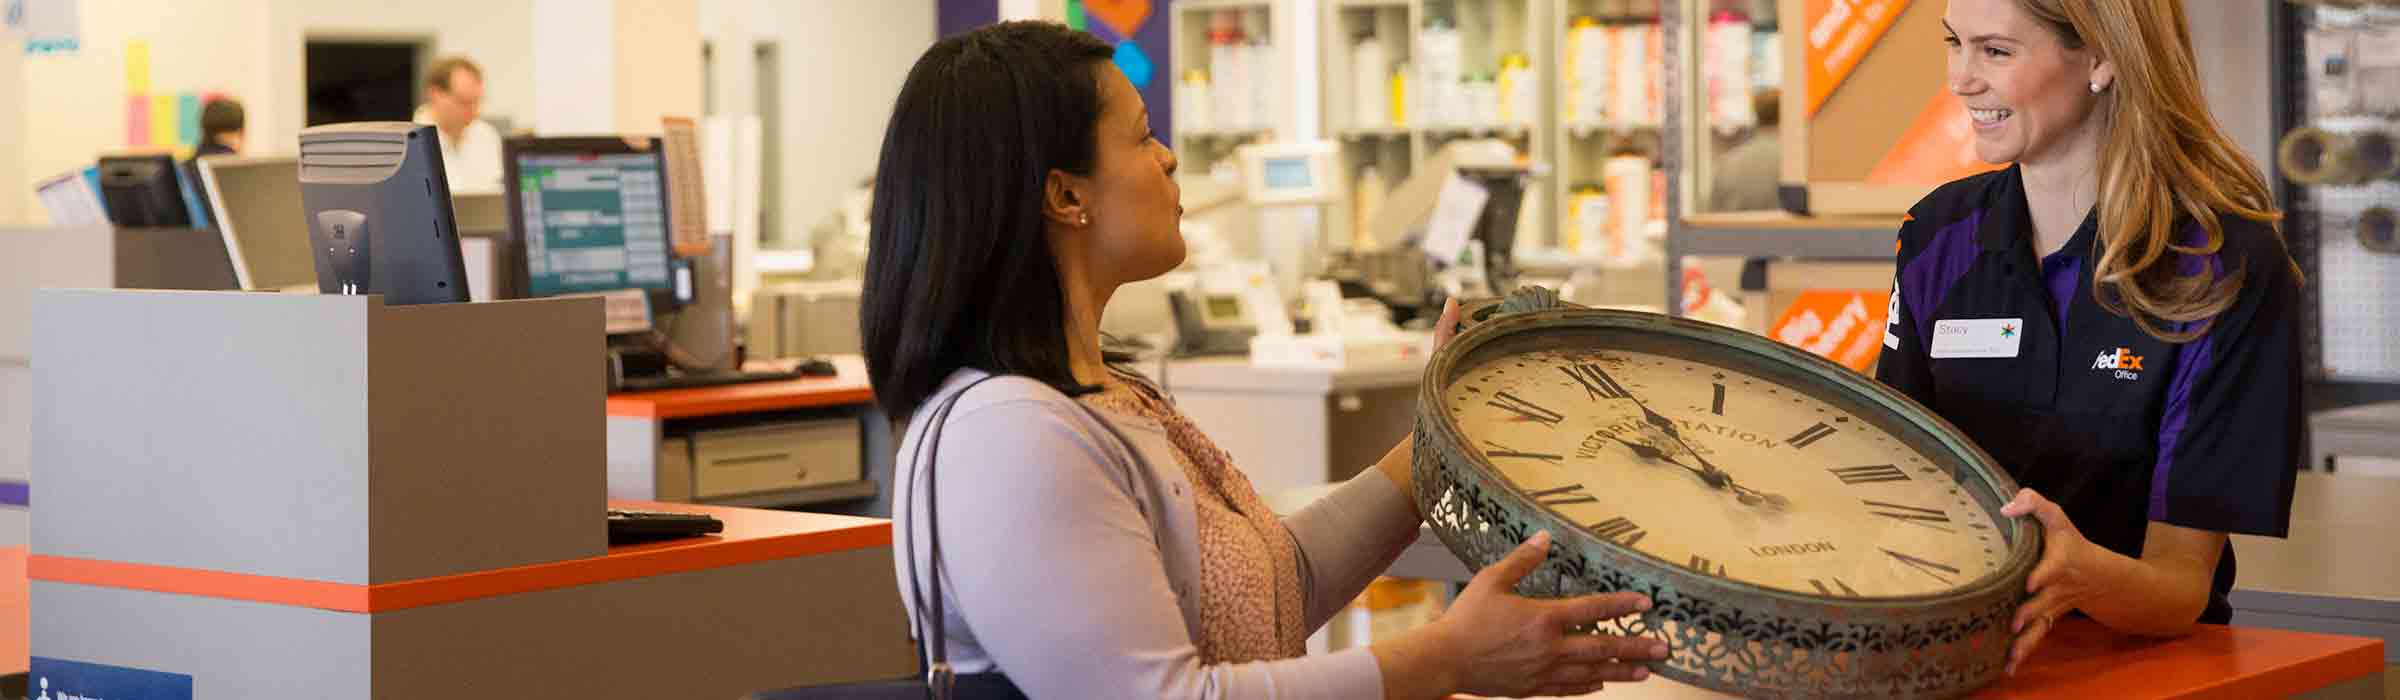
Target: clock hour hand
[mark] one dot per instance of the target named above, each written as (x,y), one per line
(1716,479)
(1709,473)
(1645,451)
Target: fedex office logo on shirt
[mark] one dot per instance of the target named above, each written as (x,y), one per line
(2122,361)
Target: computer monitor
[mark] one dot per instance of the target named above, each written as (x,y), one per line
(141,191)
(195,195)
(257,202)
(379,219)
(589,215)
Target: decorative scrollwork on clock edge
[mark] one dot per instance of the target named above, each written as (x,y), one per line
(1751,647)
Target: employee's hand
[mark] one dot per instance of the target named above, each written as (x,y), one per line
(2061,581)
(1497,643)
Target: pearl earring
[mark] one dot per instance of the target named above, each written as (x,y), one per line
(1083,220)
(2095,88)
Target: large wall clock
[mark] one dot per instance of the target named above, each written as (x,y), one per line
(1803,530)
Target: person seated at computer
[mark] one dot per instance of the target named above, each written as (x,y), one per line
(221,128)
(454,106)
(1093,542)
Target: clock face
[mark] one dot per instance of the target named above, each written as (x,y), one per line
(1727,467)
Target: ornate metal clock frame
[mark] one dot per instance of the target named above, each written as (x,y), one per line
(1725,634)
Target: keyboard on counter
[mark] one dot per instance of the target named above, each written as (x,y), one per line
(632,526)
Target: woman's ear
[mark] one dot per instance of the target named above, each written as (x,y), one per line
(1063,200)
(2104,73)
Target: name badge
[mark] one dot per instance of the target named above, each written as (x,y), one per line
(1973,338)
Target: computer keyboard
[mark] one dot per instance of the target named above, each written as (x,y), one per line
(626,526)
(690,381)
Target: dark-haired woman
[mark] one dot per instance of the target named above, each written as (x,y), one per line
(1093,543)
(2114,316)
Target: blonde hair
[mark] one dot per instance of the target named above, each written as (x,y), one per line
(2163,158)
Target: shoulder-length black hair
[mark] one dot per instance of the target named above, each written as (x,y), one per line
(959,272)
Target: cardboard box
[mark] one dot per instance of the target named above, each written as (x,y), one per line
(1870,125)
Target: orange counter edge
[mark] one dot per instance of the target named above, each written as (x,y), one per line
(401,595)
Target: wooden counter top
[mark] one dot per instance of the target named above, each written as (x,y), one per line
(2082,660)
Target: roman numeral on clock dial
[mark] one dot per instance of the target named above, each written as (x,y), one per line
(1929,568)
(1822,589)
(1526,409)
(1870,474)
(1811,435)
(1563,495)
(1496,450)
(1596,381)
(1910,514)
(1619,527)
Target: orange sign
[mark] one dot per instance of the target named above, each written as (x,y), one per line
(1839,32)
(1842,325)
(1124,16)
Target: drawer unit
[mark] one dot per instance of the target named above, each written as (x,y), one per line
(756,459)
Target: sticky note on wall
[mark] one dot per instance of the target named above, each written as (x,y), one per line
(137,67)
(162,120)
(187,120)
(137,120)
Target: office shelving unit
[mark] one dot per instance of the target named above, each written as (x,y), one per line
(1201,147)
(1488,30)
(1573,149)
(1742,235)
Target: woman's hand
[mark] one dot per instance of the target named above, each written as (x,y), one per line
(1397,464)
(2064,579)
(1495,642)
(1446,327)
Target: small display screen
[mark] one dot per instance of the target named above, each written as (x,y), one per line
(1289,173)
(1223,307)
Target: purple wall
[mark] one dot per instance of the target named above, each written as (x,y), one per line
(1151,40)
(954,16)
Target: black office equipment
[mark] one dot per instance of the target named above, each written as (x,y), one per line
(379,218)
(141,191)
(630,526)
(694,380)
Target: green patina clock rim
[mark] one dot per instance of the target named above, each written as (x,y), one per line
(2006,580)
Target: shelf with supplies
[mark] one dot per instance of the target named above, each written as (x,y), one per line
(1237,133)
(1583,129)
(1357,133)
(1402,78)
(1229,65)
(1514,131)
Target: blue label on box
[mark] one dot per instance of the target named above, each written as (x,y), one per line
(60,679)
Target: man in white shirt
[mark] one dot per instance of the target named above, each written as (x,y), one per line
(470,146)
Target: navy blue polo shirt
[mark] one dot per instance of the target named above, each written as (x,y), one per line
(2117,427)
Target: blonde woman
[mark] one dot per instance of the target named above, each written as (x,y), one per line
(2113,316)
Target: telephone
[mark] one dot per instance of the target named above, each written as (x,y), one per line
(1211,323)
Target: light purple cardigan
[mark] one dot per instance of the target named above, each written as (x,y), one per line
(1070,564)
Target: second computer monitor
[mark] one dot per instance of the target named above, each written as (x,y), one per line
(141,191)
(257,205)
(589,215)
